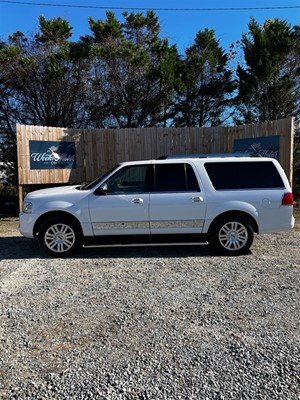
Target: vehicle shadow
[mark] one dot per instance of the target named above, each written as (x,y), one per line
(18,247)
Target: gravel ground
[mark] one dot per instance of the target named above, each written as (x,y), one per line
(150,323)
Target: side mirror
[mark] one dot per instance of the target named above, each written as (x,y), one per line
(102,190)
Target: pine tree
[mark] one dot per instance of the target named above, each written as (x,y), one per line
(269,80)
(208,86)
(133,71)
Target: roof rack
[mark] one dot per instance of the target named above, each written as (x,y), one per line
(170,156)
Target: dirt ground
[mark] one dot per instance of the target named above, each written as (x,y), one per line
(9,227)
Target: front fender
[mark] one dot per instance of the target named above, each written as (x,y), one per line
(61,205)
(78,211)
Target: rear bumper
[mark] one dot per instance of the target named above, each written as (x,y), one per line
(283,226)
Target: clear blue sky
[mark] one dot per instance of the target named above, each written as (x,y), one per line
(180,26)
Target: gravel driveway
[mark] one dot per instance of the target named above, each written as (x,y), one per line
(150,323)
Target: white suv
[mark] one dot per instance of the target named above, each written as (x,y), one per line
(177,199)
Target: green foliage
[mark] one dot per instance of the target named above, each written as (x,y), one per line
(7,189)
(56,31)
(208,85)
(268,80)
(8,53)
(129,86)
(103,30)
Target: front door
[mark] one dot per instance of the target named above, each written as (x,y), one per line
(121,207)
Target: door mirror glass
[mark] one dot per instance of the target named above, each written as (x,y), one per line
(104,188)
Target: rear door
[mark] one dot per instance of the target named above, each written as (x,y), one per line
(177,203)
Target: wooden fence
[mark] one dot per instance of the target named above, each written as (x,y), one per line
(99,150)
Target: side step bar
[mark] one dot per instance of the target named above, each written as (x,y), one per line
(90,246)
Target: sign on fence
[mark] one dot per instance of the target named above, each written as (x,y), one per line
(52,155)
(267,146)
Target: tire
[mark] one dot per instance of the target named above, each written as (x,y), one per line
(232,236)
(59,237)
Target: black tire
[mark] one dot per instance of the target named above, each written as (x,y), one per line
(59,237)
(232,236)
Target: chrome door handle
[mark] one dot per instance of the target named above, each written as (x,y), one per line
(137,201)
(197,199)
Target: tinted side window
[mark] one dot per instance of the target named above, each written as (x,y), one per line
(129,179)
(192,183)
(175,178)
(243,175)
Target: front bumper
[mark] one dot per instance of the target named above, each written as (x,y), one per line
(26,224)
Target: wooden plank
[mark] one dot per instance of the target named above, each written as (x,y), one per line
(98,150)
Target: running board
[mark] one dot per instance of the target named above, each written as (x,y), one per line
(90,246)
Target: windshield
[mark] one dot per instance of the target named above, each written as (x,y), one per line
(91,185)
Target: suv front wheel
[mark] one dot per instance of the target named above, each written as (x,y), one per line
(232,236)
(59,236)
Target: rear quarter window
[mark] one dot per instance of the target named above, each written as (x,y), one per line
(244,175)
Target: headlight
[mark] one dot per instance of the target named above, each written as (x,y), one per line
(27,207)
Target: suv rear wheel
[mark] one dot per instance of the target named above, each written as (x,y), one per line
(232,236)
(59,237)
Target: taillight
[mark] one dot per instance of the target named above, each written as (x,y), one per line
(287,199)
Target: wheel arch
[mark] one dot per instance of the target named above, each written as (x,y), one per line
(54,214)
(233,214)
